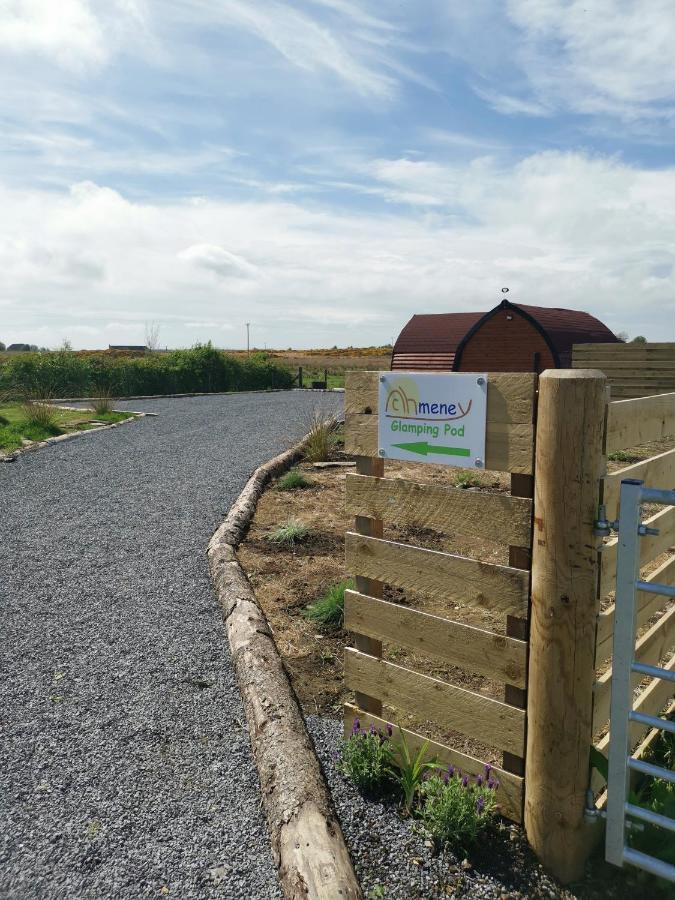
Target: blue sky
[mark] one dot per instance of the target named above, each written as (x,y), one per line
(326,168)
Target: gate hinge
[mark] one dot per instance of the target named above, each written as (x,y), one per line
(602,527)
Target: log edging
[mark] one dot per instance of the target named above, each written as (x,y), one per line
(307,842)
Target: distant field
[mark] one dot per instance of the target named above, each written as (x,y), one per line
(336,361)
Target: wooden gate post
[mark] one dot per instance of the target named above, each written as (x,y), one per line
(568,467)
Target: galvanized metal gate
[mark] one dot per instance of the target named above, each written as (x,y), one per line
(620,812)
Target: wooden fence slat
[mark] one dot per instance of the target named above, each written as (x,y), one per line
(651,546)
(633,422)
(491,721)
(474,649)
(647,606)
(649,649)
(510,397)
(497,517)
(657,471)
(437,575)
(508,447)
(510,792)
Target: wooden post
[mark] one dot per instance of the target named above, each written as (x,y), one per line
(569,465)
(368,465)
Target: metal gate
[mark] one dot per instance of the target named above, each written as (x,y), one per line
(620,812)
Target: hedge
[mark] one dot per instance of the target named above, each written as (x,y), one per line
(204,369)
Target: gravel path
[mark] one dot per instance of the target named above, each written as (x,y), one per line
(126,767)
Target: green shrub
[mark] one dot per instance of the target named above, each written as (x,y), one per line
(466,480)
(329,610)
(365,757)
(456,808)
(201,369)
(103,403)
(289,534)
(623,456)
(292,481)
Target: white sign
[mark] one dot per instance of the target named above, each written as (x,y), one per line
(434,418)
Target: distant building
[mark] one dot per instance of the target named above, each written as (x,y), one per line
(130,348)
(15,348)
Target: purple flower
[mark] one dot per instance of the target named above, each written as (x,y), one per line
(390,729)
(357,725)
(493,784)
(372,730)
(488,769)
(465,781)
(480,803)
(451,771)
(446,777)
(479,780)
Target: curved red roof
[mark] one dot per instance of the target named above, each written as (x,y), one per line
(430,341)
(434,341)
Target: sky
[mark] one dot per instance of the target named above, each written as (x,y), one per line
(324,169)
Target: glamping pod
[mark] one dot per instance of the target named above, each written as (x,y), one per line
(510,338)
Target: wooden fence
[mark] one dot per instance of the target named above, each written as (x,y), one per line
(630,423)
(558,635)
(632,370)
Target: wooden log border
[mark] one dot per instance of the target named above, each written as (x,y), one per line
(307,842)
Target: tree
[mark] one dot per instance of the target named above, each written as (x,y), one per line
(2,346)
(640,339)
(152,331)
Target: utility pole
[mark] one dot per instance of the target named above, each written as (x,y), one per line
(248,342)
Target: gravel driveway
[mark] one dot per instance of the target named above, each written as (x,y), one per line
(126,768)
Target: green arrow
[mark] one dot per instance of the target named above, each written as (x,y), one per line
(423,448)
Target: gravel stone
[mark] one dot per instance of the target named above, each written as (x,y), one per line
(126,765)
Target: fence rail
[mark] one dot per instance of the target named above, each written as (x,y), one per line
(632,370)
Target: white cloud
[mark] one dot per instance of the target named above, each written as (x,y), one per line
(558,229)
(218,260)
(76,34)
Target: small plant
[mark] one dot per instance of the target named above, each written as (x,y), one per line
(456,808)
(410,769)
(320,434)
(293,532)
(103,404)
(366,757)
(39,413)
(329,610)
(293,481)
(622,456)
(465,480)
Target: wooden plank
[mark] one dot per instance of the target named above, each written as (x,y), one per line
(633,422)
(474,649)
(496,517)
(651,546)
(370,526)
(491,721)
(510,398)
(508,447)
(509,794)
(655,471)
(441,576)
(647,606)
(649,649)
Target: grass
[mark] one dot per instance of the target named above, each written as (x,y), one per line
(329,610)
(293,532)
(320,436)
(293,481)
(103,404)
(623,456)
(466,480)
(38,420)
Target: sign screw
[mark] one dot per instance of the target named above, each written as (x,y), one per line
(478,462)
(382,378)
(381,452)
(480,380)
